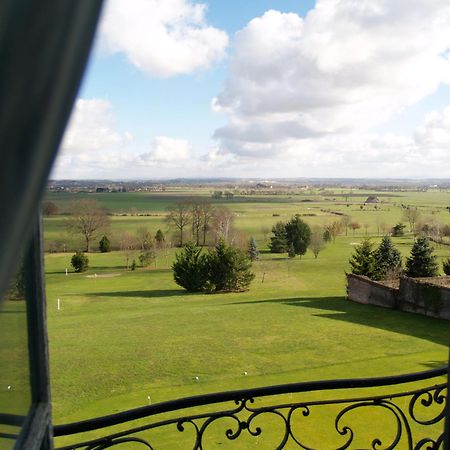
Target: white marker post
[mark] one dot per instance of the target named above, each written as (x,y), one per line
(149,399)
(59,304)
(66,271)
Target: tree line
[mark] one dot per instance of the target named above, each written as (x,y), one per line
(385,261)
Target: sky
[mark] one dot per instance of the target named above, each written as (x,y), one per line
(264,89)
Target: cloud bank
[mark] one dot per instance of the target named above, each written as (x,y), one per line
(163,38)
(314,89)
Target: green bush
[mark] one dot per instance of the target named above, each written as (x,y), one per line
(225,269)
(79,262)
(104,245)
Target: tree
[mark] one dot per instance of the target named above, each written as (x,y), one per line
(334,228)
(104,245)
(265,231)
(146,257)
(196,218)
(317,241)
(178,217)
(88,219)
(229,268)
(159,238)
(354,226)
(128,245)
(207,214)
(278,242)
(223,223)
(326,235)
(446,266)
(411,214)
(253,249)
(422,260)
(298,233)
(79,262)
(387,258)
(362,262)
(345,221)
(398,230)
(366,227)
(143,239)
(49,209)
(190,269)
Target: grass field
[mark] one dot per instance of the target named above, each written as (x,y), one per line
(122,336)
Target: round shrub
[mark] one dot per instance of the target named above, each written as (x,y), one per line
(80,262)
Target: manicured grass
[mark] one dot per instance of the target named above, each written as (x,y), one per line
(119,339)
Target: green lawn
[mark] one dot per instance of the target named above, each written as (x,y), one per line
(122,336)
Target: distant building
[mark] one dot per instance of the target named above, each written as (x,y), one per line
(372,199)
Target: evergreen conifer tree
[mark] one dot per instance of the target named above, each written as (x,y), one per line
(362,262)
(104,245)
(159,238)
(278,242)
(253,249)
(228,268)
(422,261)
(387,258)
(190,268)
(298,233)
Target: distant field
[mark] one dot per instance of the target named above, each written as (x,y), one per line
(123,337)
(253,212)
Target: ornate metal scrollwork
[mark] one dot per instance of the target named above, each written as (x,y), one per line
(408,411)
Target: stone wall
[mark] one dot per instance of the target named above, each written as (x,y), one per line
(427,296)
(364,290)
(423,296)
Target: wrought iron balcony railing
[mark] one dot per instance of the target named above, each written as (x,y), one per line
(409,416)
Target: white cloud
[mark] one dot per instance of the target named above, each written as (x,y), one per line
(166,151)
(312,90)
(92,143)
(163,38)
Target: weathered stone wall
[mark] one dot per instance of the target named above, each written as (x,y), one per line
(419,295)
(363,290)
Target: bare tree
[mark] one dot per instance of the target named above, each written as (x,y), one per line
(128,245)
(354,226)
(49,209)
(385,228)
(144,238)
(196,217)
(345,222)
(88,219)
(411,214)
(179,217)
(207,214)
(366,227)
(317,242)
(223,223)
(334,228)
(265,231)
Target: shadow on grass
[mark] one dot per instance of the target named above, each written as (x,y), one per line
(155,293)
(338,308)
